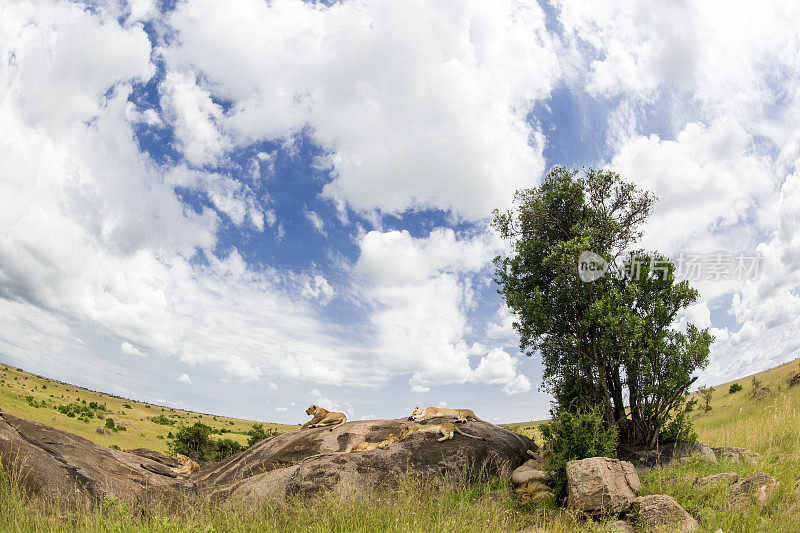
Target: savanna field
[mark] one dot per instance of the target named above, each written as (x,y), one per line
(769,425)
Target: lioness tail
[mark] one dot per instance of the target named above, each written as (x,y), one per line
(468,435)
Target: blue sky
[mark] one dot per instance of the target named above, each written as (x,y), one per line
(247,207)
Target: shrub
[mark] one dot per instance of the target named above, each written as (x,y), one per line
(110,423)
(258,433)
(194,442)
(127,406)
(755,384)
(226,448)
(575,435)
(734,388)
(114,447)
(163,420)
(707,393)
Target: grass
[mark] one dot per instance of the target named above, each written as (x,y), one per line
(37,398)
(769,426)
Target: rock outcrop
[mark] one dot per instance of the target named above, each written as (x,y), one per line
(312,460)
(711,482)
(729,454)
(599,484)
(667,452)
(54,463)
(662,513)
(758,488)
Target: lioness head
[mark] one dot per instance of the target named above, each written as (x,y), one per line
(416,414)
(312,410)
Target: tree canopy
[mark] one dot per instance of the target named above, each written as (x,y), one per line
(609,340)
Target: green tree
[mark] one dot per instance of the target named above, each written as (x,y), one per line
(609,342)
(194,442)
(258,433)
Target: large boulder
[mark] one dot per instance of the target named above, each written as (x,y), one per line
(313,460)
(758,488)
(659,512)
(599,484)
(54,463)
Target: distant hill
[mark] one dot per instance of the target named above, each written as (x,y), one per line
(81,411)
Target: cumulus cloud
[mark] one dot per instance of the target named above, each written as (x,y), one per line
(421,292)
(707,181)
(195,118)
(417,105)
(94,233)
(184,378)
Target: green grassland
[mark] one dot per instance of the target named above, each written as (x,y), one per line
(38,398)
(769,425)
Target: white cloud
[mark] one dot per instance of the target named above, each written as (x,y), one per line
(95,235)
(318,288)
(421,292)
(280,409)
(195,118)
(707,181)
(419,104)
(227,195)
(503,328)
(316,221)
(184,378)
(131,349)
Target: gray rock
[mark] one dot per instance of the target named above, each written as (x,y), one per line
(665,453)
(729,454)
(710,482)
(599,484)
(158,457)
(758,488)
(523,475)
(661,511)
(289,463)
(53,463)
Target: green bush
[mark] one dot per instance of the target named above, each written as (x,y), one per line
(226,448)
(258,433)
(575,435)
(195,442)
(163,420)
(110,423)
(734,388)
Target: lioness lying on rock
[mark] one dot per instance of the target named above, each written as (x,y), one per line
(323,418)
(461,415)
(366,446)
(446,429)
(187,466)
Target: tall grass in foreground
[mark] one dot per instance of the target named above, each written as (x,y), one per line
(411,506)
